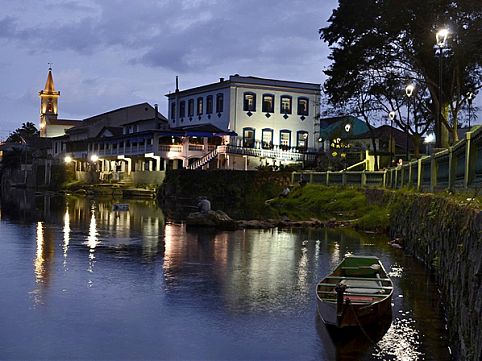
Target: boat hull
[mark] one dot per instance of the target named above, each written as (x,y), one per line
(357,293)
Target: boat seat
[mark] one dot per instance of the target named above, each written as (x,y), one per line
(359,286)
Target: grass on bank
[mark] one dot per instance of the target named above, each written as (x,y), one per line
(325,203)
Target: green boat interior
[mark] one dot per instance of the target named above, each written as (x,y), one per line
(364,279)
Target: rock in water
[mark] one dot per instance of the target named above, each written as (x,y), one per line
(217,219)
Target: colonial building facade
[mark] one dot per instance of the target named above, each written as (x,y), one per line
(240,123)
(265,114)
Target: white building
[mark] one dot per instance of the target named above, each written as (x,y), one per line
(270,115)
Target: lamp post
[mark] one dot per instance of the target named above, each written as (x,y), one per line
(409,92)
(470,98)
(441,44)
(391,149)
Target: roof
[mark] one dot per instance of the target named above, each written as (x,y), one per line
(201,130)
(335,126)
(73,122)
(115,131)
(49,88)
(237,79)
(384,132)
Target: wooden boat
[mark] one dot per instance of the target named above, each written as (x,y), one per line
(357,293)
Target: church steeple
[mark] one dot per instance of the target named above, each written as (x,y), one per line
(48,104)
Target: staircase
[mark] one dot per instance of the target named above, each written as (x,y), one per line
(204,160)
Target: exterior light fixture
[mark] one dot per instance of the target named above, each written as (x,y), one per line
(409,90)
(441,37)
(347,127)
(320,139)
(392,115)
(430,138)
(68,159)
(94,158)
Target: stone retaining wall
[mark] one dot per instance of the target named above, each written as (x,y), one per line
(446,236)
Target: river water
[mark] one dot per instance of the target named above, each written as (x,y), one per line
(80,281)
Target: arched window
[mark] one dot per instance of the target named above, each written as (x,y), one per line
(285,139)
(302,140)
(303,106)
(219,103)
(285,104)
(249,103)
(248,137)
(200,104)
(268,103)
(267,138)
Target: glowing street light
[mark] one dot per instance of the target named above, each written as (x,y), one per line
(409,89)
(441,44)
(94,158)
(441,37)
(391,147)
(470,98)
(68,159)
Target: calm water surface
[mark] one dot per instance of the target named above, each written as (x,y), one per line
(79,281)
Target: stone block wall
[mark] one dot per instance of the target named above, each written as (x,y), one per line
(446,236)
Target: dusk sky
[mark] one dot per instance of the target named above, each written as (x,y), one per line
(111,53)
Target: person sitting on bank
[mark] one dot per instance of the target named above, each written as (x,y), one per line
(284,193)
(204,206)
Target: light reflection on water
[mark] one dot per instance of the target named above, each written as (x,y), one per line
(161,291)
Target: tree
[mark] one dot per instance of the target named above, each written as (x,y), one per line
(379,46)
(23,134)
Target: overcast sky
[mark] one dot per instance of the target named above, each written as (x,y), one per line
(108,54)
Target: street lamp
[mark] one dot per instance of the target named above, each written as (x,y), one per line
(470,98)
(391,148)
(441,44)
(409,92)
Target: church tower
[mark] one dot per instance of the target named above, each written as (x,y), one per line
(48,104)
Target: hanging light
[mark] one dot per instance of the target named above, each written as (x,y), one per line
(441,37)
(409,90)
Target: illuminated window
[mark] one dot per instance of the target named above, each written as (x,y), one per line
(199,105)
(248,137)
(267,138)
(173,111)
(209,104)
(190,107)
(182,109)
(249,102)
(302,106)
(285,105)
(285,139)
(219,103)
(268,103)
(302,140)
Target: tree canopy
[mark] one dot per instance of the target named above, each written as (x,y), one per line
(23,134)
(380,46)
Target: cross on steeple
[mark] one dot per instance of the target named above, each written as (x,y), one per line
(50,65)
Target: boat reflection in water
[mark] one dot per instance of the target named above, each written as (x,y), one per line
(354,343)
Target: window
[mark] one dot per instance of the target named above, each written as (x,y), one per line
(248,137)
(173,111)
(268,103)
(285,105)
(182,109)
(249,104)
(190,107)
(285,139)
(267,138)
(219,103)
(199,105)
(302,140)
(209,104)
(302,106)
